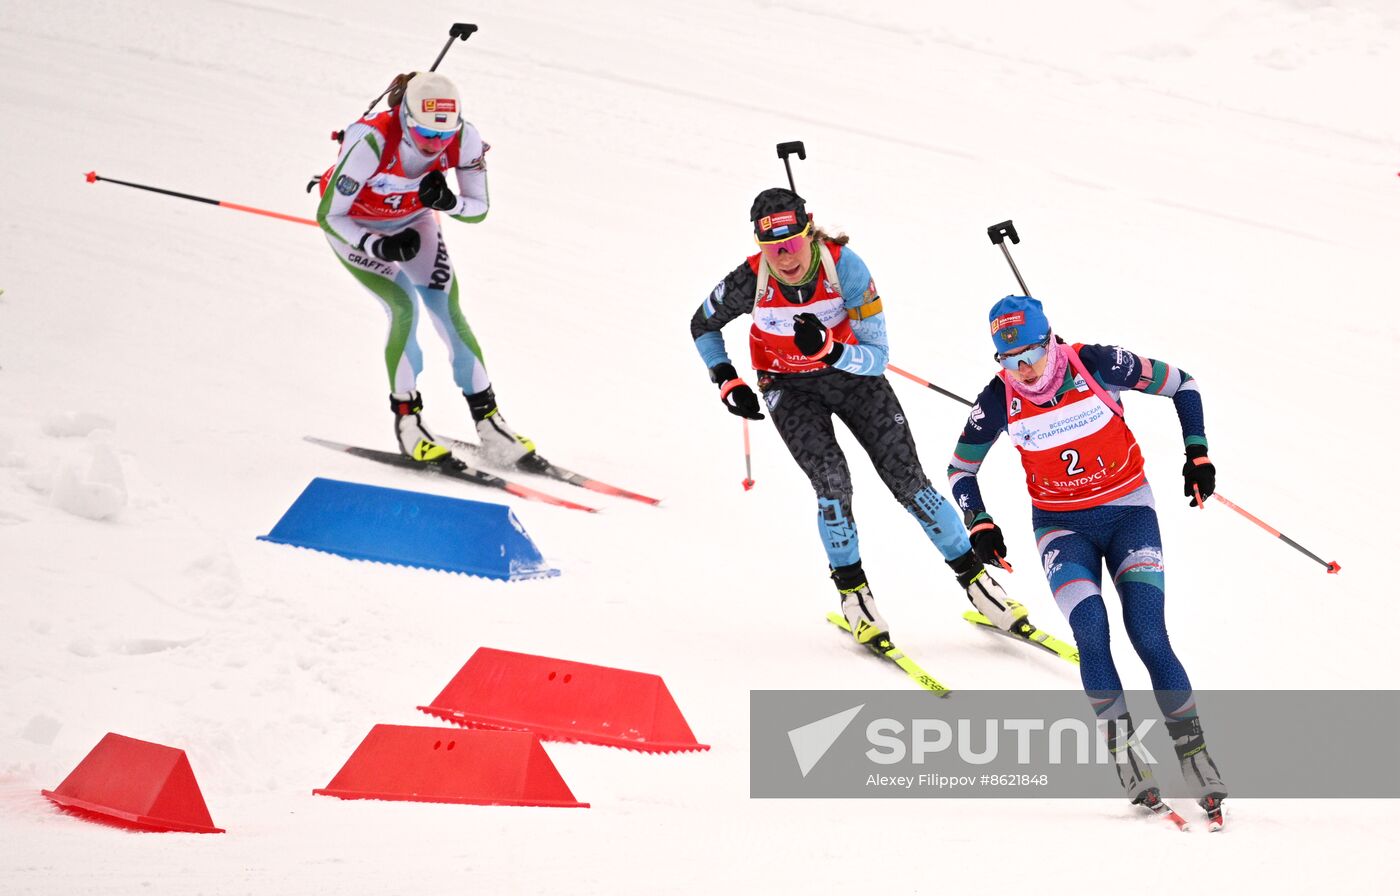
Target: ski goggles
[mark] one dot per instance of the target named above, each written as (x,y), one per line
(791,244)
(429,134)
(1030,355)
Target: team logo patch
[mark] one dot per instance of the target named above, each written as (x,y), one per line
(772,398)
(1013,319)
(347,185)
(870,291)
(1015,406)
(1010,334)
(977,413)
(781,219)
(440,105)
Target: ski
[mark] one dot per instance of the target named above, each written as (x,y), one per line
(1031,635)
(898,657)
(1154,803)
(452,468)
(540,467)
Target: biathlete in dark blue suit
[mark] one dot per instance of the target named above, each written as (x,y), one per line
(1059,403)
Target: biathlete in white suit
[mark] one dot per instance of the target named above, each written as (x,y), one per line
(378,210)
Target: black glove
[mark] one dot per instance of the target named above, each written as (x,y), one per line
(987,540)
(401,246)
(433,192)
(1199,473)
(814,339)
(735,393)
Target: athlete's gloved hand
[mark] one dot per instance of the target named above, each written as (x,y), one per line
(735,393)
(401,246)
(434,193)
(1199,474)
(987,541)
(814,339)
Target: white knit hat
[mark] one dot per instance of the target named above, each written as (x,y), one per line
(431,101)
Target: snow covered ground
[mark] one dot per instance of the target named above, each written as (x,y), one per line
(1213,183)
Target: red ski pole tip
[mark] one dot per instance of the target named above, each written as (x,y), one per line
(1333,568)
(91,177)
(748,484)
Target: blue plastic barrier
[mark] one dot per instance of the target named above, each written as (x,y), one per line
(390,525)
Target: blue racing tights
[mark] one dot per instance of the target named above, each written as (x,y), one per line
(1074,545)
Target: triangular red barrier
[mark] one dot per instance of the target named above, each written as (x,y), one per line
(137,784)
(449,765)
(564,700)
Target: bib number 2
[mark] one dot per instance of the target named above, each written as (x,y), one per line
(1071,459)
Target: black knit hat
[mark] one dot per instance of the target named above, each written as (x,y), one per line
(778,214)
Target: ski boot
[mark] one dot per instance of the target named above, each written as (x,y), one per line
(986,595)
(1199,770)
(499,443)
(414,439)
(1134,775)
(858,606)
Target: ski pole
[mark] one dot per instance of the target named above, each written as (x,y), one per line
(93,177)
(998,234)
(460,29)
(1332,568)
(787,149)
(748,458)
(923,382)
(795,146)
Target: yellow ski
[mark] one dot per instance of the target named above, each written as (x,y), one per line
(892,653)
(1031,635)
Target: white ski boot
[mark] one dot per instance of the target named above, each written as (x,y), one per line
(991,601)
(986,595)
(500,444)
(414,439)
(858,606)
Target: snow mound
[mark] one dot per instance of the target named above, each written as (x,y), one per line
(74,424)
(91,485)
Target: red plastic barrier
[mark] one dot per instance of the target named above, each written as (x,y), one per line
(136,784)
(449,765)
(563,700)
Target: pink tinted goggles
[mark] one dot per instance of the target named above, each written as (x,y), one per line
(792,244)
(430,140)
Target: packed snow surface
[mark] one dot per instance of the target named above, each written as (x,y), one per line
(1211,183)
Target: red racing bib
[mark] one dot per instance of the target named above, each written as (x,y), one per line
(1077,453)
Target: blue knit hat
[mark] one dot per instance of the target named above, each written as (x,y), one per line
(1017,321)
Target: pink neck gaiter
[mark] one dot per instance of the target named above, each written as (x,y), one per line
(1043,389)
